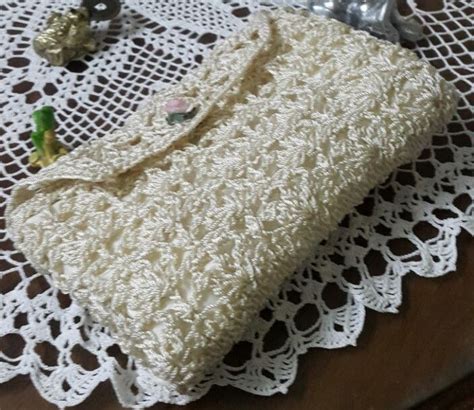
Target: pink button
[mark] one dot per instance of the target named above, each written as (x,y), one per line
(176,105)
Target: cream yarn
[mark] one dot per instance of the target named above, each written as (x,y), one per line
(174,236)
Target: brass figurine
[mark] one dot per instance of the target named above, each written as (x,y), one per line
(66,37)
(69,36)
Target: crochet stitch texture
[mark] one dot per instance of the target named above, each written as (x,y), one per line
(174,236)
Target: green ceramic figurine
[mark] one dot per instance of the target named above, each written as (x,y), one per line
(48,148)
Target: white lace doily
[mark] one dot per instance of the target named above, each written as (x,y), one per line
(408,224)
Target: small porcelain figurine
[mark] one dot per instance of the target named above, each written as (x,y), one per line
(48,148)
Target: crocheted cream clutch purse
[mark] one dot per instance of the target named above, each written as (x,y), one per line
(174,234)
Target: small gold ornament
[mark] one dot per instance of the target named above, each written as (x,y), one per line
(66,37)
(69,36)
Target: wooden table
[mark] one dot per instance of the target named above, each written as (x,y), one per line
(401,360)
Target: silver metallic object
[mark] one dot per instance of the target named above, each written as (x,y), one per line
(380,18)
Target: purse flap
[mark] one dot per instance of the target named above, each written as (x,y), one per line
(147,133)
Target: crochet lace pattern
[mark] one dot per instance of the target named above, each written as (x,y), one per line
(175,236)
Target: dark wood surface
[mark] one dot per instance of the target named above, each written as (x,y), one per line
(459,396)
